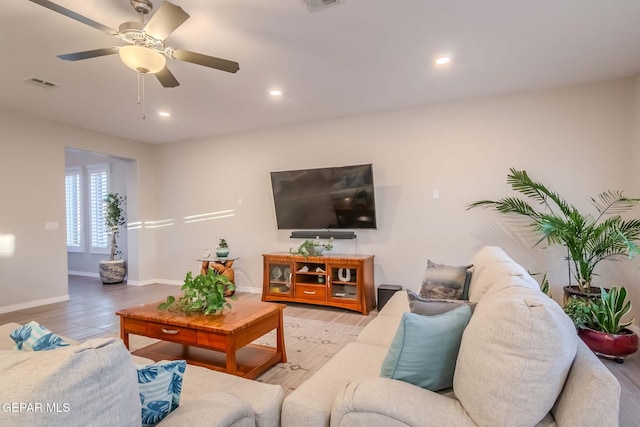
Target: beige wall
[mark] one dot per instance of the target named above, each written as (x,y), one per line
(580,140)
(32,167)
(577,139)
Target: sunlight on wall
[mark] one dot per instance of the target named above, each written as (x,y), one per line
(7,245)
(209,216)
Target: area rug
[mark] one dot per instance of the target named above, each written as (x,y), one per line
(309,343)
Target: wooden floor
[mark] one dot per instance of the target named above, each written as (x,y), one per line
(90,313)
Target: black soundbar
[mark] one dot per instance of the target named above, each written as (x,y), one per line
(322,234)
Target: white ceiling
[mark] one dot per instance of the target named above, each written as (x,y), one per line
(356,57)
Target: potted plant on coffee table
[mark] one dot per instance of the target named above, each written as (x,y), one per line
(113,269)
(202,294)
(589,238)
(600,323)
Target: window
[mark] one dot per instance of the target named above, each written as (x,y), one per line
(98,189)
(73,208)
(85,190)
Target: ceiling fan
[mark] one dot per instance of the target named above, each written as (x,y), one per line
(144,49)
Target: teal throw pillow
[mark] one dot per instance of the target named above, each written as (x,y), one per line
(160,386)
(35,337)
(425,349)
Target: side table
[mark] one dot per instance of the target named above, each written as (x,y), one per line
(221,266)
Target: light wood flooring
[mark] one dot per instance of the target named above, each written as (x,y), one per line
(90,313)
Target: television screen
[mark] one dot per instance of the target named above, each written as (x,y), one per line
(335,197)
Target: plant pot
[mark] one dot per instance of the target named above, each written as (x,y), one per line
(593,293)
(112,271)
(222,252)
(614,346)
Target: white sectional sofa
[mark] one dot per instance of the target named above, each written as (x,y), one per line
(95,384)
(519,364)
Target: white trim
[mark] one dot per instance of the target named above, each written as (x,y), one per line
(154,281)
(83,273)
(248,289)
(31,304)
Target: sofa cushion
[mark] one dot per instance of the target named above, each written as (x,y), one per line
(432,306)
(34,337)
(514,356)
(160,385)
(92,384)
(445,281)
(218,409)
(424,349)
(310,404)
(490,274)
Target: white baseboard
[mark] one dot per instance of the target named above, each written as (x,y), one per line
(249,289)
(83,273)
(153,281)
(31,304)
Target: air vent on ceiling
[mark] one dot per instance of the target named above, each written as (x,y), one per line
(314,5)
(39,82)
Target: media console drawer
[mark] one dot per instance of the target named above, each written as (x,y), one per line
(313,292)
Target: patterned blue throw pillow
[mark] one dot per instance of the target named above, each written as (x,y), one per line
(160,386)
(34,337)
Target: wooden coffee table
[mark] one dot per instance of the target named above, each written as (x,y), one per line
(220,342)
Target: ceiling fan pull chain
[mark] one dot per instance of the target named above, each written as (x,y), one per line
(144,116)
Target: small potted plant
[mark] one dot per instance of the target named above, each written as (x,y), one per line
(113,270)
(600,325)
(313,248)
(202,294)
(222,251)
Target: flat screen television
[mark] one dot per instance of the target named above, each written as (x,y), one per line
(325,198)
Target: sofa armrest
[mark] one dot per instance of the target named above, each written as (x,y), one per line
(382,401)
(591,394)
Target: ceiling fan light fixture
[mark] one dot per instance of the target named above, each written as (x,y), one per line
(142,59)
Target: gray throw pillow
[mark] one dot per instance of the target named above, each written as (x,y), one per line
(431,306)
(445,282)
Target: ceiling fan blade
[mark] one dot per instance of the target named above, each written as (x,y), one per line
(166,78)
(207,61)
(88,54)
(73,15)
(167,18)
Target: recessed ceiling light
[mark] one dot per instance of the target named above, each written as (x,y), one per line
(275,92)
(164,114)
(443,60)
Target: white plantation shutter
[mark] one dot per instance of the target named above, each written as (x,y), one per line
(98,189)
(73,208)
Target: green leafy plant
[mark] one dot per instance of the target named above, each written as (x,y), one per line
(602,314)
(114,217)
(577,308)
(223,244)
(589,239)
(203,293)
(313,248)
(607,311)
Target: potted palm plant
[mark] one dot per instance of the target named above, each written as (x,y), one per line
(113,270)
(600,323)
(589,238)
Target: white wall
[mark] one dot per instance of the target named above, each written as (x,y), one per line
(578,140)
(32,168)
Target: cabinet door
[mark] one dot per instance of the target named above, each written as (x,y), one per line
(344,281)
(279,278)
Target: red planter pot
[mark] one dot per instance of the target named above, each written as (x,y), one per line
(614,346)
